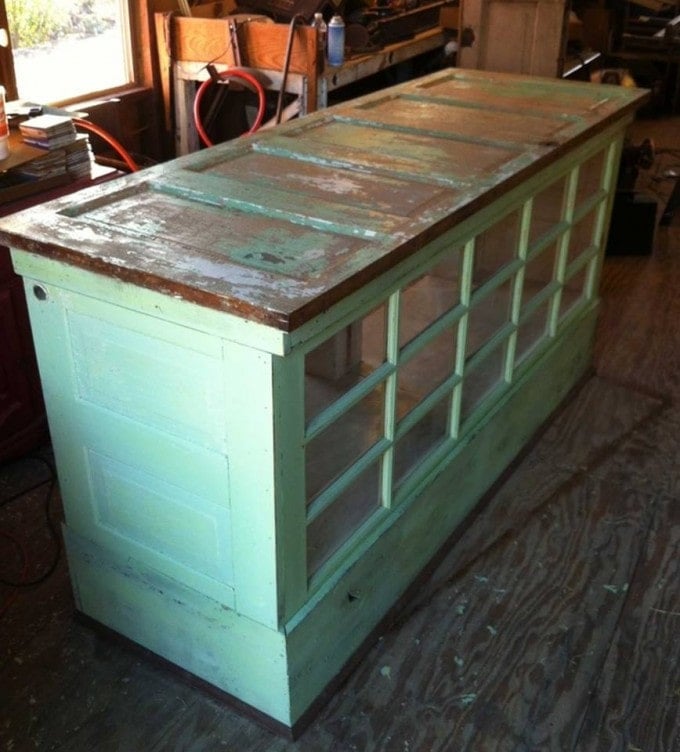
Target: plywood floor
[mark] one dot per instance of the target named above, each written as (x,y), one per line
(553,623)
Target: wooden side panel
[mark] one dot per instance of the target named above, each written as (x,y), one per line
(515,36)
(260,44)
(233,653)
(140,481)
(201,39)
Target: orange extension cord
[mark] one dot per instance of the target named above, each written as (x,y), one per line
(118,147)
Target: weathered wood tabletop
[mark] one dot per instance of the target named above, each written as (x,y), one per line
(278,226)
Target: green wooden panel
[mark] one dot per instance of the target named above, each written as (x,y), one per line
(158,305)
(231,652)
(324,635)
(397,153)
(252,483)
(127,477)
(171,386)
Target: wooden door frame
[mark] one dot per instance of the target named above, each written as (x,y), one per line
(7,75)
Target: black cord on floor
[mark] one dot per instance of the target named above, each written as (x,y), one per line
(52,528)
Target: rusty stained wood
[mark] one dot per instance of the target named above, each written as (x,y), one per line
(279,226)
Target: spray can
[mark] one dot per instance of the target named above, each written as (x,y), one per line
(4,127)
(336,41)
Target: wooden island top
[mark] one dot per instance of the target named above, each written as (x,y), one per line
(277,227)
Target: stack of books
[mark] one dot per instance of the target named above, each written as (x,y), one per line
(48,131)
(67,153)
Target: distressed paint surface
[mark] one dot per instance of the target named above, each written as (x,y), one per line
(186,446)
(278,239)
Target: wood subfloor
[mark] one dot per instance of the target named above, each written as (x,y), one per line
(552,623)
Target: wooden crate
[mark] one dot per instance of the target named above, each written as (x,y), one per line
(208,36)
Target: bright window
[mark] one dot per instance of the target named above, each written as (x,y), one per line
(64,49)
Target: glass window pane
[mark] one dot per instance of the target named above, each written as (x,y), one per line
(539,272)
(338,363)
(574,291)
(426,370)
(582,235)
(480,381)
(495,248)
(532,331)
(337,447)
(547,210)
(590,178)
(488,316)
(343,517)
(427,433)
(63,49)
(429,297)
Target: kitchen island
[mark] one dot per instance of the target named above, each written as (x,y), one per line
(279,373)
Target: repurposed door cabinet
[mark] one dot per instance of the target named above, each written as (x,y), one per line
(281,371)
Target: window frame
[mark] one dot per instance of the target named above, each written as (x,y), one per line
(142,44)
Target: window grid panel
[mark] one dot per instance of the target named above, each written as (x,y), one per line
(337,448)
(331,493)
(393,325)
(518,286)
(563,249)
(425,368)
(415,439)
(336,530)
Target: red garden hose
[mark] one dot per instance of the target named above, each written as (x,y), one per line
(244,76)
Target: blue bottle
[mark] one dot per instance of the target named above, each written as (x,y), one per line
(336,41)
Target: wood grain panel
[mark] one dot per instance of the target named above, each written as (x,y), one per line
(635,705)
